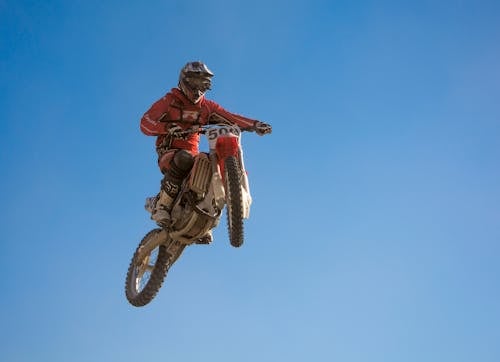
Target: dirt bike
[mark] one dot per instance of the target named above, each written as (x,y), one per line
(217,179)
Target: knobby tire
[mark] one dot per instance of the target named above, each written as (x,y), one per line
(141,298)
(234,199)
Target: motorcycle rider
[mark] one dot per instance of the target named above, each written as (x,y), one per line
(181,109)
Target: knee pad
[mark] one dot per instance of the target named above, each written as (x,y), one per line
(181,164)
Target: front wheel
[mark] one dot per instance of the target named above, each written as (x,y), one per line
(234,201)
(145,276)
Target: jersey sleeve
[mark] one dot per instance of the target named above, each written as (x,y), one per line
(150,121)
(217,113)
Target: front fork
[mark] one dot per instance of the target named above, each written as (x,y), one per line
(227,147)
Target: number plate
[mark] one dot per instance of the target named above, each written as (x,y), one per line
(221,131)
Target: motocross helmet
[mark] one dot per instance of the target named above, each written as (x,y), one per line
(195,80)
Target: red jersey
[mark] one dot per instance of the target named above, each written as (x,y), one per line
(174,109)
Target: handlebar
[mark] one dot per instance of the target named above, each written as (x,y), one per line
(203,129)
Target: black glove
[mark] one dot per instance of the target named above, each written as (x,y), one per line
(173,129)
(262,128)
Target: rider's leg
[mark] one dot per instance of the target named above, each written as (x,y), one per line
(174,173)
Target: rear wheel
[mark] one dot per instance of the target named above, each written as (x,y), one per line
(234,200)
(145,277)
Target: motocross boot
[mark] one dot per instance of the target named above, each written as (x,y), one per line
(162,207)
(180,165)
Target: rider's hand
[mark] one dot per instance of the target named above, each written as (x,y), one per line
(262,128)
(174,130)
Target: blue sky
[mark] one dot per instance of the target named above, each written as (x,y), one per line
(375,227)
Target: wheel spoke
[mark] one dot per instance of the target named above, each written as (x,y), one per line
(145,269)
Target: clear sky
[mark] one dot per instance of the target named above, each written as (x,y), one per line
(375,227)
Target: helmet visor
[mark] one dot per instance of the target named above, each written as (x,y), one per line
(199,83)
